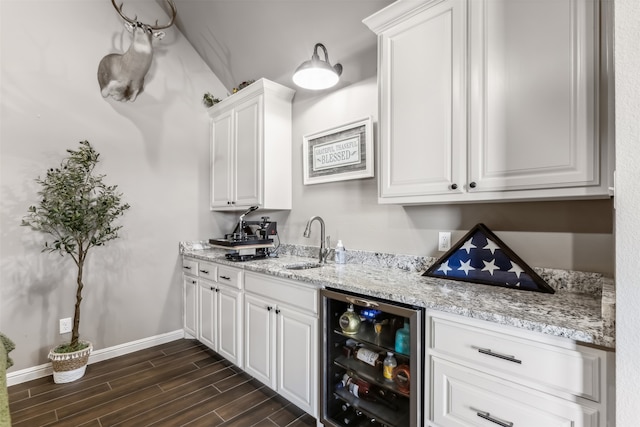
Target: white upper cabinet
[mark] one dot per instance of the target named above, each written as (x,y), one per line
(492,100)
(251,148)
(422,100)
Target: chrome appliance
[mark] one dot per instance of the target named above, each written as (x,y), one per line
(352,357)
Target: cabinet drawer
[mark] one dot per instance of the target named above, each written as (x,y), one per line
(206,270)
(190,266)
(537,364)
(230,276)
(288,292)
(464,397)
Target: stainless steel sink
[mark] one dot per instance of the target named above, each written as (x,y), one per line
(303,265)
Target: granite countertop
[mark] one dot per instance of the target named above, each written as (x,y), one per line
(582,308)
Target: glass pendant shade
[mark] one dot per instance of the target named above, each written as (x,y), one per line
(316,74)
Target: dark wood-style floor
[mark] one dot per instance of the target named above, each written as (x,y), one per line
(181,383)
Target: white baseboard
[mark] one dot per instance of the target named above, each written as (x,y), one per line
(44,370)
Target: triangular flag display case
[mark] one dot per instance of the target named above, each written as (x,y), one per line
(481,257)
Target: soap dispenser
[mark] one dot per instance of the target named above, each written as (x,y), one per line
(341,253)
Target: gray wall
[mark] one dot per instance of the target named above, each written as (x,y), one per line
(154,149)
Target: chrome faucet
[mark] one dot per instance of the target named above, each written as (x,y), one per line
(324,247)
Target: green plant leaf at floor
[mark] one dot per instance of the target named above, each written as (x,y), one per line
(68,348)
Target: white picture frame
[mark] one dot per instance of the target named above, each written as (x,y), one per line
(338,154)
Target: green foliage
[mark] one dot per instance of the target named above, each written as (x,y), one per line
(209,100)
(77,210)
(68,348)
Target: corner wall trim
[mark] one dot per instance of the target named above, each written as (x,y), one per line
(45,369)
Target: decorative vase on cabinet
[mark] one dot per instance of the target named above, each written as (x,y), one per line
(250,140)
(477,104)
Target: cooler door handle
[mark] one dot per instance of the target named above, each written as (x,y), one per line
(364,302)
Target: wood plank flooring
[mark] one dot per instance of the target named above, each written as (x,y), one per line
(181,383)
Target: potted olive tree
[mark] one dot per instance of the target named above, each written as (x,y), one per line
(77,210)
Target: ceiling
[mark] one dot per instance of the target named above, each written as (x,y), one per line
(244,40)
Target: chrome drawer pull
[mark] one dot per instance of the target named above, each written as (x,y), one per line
(487,416)
(488,352)
(360,301)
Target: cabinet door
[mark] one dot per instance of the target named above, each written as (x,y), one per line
(221,159)
(464,397)
(259,347)
(248,152)
(207,319)
(422,111)
(229,324)
(190,302)
(534,79)
(297,358)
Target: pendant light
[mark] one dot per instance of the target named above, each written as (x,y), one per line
(317,74)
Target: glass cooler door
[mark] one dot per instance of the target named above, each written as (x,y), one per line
(372,356)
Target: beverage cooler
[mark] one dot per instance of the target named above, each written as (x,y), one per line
(371,363)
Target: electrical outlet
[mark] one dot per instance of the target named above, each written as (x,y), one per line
(444,241)
(65,325)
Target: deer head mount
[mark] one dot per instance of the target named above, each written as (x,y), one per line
(121,75)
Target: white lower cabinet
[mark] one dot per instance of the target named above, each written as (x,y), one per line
(221,318)
(483,374)
(190,298)
(213,307)
(264,325)
(190,306)
(281,333)
(208,302)
(463,396)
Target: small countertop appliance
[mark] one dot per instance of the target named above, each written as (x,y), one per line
(250,239)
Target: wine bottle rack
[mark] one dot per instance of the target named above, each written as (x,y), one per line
(369,374)
(388,403)
(385,340)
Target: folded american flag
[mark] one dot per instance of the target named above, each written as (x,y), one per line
(481,257)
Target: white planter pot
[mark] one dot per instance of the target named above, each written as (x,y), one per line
(68,367)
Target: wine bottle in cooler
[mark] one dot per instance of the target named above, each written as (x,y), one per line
(365,391)
(352,417)
(367,356)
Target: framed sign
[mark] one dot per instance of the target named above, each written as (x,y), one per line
(339,154)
